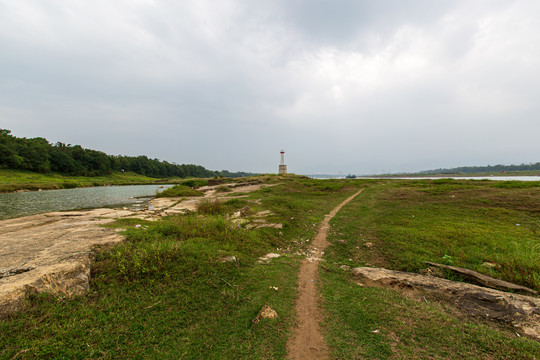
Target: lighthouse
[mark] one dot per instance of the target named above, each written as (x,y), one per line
(282,166)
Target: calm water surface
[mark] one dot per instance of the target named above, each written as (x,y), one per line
(36,202)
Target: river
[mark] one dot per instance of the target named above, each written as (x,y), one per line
(18,204)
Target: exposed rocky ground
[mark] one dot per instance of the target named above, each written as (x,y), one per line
(52,252)
(521,311)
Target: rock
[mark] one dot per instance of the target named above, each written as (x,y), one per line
(245,211)
(51,253)
(489,265)
(263,213)
(266,312)
(485,280)
(345,267)
(14,271)
(228,259)
(65,279)
(268,257)
(432,271)
(521,311)
(266,225)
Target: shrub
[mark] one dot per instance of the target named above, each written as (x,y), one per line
(223,188)
(194,182)
(179,190)
(210,207)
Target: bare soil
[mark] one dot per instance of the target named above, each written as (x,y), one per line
(307,341)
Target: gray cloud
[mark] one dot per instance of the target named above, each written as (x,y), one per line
(342,86)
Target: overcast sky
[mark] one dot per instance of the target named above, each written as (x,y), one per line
(343,86)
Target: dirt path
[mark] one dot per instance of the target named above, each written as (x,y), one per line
(306,341)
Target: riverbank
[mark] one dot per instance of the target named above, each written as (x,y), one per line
(190,282)
(16,180)
(52,252)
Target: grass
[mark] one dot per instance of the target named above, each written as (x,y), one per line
(194,183)
(167,292)
(210,207)
(374,323)
(13,180)
(179,191)
(402,224)
(164,294)
(479,175)
(223,189)
(463,223)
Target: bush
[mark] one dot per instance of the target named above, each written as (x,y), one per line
(194,182)
(223,188)
(210,207)
(179,190)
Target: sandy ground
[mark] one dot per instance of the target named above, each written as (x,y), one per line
(306,341)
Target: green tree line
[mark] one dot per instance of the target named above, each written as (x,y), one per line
(484,169)
(38,155)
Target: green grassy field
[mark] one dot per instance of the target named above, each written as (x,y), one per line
(13,180)
(490,227)
(465,223)
(167,292)
(479,175)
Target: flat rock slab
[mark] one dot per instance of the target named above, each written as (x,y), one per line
(51,252)
(521,311)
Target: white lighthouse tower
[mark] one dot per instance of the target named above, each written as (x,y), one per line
(282,166)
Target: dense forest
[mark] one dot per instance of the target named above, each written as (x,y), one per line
(484,169)
(37,154)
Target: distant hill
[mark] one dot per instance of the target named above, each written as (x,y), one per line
(484,169)
(38,155)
